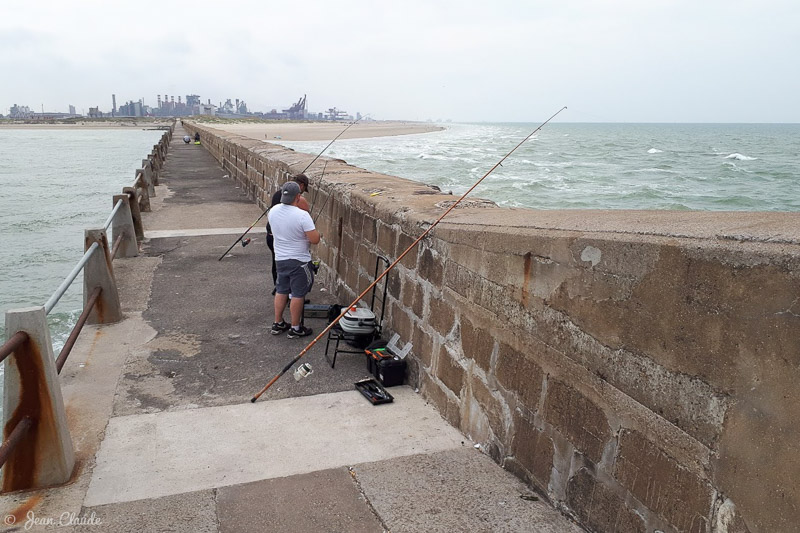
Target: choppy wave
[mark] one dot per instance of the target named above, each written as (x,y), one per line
(740,157)
(597,166)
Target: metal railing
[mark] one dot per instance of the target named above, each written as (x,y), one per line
(125,221)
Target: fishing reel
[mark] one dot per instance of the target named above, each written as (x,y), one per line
(245,242)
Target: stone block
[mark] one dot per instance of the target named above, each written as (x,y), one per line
(599,507)
(449,371)
(461,280)
(348,248)
(442,314)
(423,347)
(431,267)
(403,242)
(519,373)
(395,281)
(491,407)
(386,240)
(674,493)
(369,230)
(577,418)
(446,406)
(354,222)
(366,259)
(351,277)
(533,450)
(477,343)
(401,322)
(417,303)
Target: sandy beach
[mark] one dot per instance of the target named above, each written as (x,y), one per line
(324,131)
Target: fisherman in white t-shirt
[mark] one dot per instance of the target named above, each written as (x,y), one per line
(293,232)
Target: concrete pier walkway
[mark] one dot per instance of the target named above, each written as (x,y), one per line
(166,436)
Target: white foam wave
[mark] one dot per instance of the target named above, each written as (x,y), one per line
(740,157)
(663,170)
(654,151)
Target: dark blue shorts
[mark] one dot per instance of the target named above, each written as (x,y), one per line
(294,277)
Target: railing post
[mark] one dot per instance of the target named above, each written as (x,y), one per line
(122,224)
(98,272)
(154,157)
(44,457)
(148,177)
(148,163)
(159,155)
(136,212)
(142,186)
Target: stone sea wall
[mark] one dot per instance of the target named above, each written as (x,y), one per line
(640,369)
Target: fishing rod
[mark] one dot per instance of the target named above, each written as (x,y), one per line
(301,172)
(334,140)
(413,244)
(316,190)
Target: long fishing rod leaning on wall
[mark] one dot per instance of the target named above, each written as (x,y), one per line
(390,267)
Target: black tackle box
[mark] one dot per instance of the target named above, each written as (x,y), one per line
(389,369)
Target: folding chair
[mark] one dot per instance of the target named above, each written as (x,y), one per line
(358,340)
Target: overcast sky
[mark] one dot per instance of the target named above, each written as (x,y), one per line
(465,60)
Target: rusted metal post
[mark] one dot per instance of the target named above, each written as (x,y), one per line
(98,272)
(123,224)
(44,455)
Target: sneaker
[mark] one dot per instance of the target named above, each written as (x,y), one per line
(279,327)
(302,332)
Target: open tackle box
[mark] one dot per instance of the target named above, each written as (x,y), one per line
(386,361)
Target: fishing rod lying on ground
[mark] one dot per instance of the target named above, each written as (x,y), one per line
(301,172)
(411,247)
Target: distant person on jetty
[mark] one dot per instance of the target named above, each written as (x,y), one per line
(187,139)
(197,137)
(302,181)
(294,232)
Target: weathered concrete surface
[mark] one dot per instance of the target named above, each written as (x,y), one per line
(159,454)
(582,348)
(193,511)
(454,491)
(331,502)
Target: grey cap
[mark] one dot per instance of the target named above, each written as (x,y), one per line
(289,192)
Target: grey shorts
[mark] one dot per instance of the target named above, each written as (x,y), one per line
(294,277)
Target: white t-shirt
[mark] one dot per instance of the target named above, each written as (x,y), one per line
(289,226)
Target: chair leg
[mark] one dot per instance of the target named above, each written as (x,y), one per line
(327,358)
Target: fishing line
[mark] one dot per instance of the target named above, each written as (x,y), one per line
(301,172)
(316,190)
(424,234)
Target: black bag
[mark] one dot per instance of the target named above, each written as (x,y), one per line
(334,312)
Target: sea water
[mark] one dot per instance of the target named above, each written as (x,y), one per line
(721,167)
(54,184)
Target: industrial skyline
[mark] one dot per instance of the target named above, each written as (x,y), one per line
(166,106)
